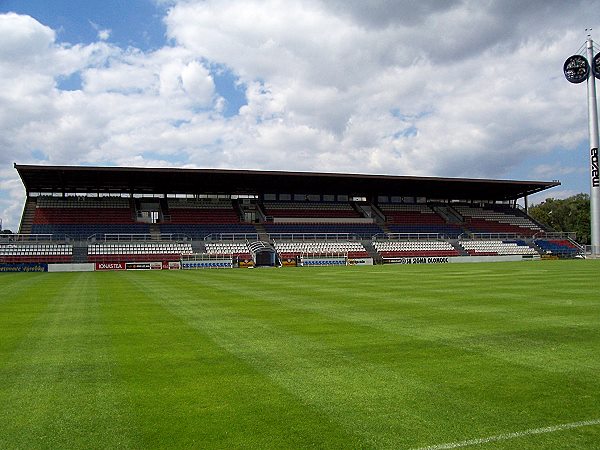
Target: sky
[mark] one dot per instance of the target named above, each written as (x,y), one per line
(451,88)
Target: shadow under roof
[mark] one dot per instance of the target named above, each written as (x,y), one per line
(85,179)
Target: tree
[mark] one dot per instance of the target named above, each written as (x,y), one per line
(569,215)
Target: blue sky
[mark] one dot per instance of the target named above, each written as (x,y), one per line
(457,88)
(136,23)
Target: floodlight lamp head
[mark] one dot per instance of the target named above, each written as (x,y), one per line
(596,66)
(576,69)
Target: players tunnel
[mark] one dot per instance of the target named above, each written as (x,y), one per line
(264,258)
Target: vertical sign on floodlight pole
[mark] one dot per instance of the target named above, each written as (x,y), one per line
(594,169)
(577,70)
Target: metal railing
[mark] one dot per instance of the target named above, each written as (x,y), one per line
(328,237)
(16,237)
(231,237)
(496,236)
(555,235)
(408,237)
(137,237)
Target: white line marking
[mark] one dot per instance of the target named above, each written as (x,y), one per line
(507,436)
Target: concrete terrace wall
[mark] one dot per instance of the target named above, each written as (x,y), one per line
(83,267)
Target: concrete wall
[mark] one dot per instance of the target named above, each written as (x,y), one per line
(84,267)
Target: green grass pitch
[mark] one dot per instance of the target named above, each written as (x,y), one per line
(504,355)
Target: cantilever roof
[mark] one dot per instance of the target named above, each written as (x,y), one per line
(221,181)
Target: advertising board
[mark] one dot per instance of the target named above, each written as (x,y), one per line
(360,261)
(288,262)
(222,263)
(418,260)
(23,267)
(143,266)
(110,266)
(322,261)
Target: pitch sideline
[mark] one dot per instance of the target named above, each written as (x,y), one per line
(507,436)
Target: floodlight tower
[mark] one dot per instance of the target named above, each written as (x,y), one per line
(577,70)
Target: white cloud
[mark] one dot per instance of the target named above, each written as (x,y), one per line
(197,83)
(554,170)
(104,35)
(25,41)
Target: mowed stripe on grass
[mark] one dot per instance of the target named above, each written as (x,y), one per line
(57,387)
(375,357)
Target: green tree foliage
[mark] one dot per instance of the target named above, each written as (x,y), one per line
(571,214)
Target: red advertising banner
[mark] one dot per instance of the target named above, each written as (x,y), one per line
(110,266)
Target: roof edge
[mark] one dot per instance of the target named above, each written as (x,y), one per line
(27,167)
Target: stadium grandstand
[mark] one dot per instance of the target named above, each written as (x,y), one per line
(114,216)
